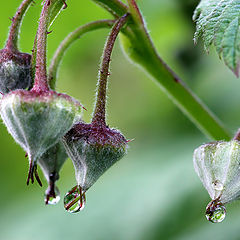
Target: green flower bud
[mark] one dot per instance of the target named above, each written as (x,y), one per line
(51,163)
(217,165)
(15,70)
(94,147)
(93,150)
(38,120)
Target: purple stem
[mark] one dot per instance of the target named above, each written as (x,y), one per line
(40,82)
(99,118)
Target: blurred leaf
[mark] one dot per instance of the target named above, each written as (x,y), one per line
(218,23)
(56,8)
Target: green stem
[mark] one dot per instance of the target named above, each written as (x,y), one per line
(68,41)
(115,7)
(12,42)
(141,50)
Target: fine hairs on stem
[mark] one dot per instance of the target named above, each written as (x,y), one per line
(98,123)
(55,7)
(40,82)
(99,112)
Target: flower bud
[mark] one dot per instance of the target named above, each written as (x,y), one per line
(93,150)
(217,165)
(94,147)
(38,120)
(15,70)
(51,163)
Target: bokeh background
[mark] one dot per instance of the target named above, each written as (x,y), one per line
(153,192)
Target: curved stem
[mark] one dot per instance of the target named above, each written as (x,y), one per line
(183,97)
(115,7)
(12,42)
(145,55)
(68,41)
(99,112)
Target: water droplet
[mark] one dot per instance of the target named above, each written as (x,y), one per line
(74,200)
(215,212)
(52,199)
(217,185)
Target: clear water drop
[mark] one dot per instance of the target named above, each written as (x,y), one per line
(217,185)
(74,200)
(52,199)
(215,212)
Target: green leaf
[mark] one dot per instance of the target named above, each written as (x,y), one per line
(56,8)
(218,23)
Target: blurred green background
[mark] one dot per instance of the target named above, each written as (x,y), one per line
(153,192)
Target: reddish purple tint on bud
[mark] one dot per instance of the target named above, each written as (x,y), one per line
(95,147)
(15,70)
(93,151)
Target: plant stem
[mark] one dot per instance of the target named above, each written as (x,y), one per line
(100,106)
(115,7)
(12,42)
(142,51)
(40,83)
(183,97)
(54,8)
(68,41)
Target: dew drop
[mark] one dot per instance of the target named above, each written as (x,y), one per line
(74,200)
(215,211)
(52,199)
(217,185)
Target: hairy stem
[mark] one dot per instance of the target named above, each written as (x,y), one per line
(54,8)
(140,48)
(12,42)
(99,112)
(68,41)
(40,83)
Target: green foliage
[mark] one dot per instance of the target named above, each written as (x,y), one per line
(218,24)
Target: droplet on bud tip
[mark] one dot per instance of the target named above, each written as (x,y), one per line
(217,185)
(74,200)
(52,198)
(215,211)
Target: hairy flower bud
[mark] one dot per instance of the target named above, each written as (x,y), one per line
(94,147)
(38,120)
(217,165)
(93,150)
(15,70)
